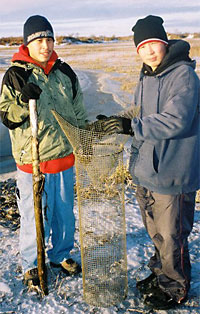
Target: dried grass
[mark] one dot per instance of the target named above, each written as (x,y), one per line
(118,58)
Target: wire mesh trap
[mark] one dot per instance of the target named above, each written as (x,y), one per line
(100,193)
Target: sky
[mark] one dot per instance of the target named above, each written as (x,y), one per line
(101,17)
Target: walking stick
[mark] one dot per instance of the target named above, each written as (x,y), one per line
(37,196)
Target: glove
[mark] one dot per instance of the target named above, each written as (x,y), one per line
(116,124)
(30,91)
(96,126)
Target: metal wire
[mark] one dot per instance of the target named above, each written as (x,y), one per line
(100,193)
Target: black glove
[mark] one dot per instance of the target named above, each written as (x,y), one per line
(30,91)
(116,124)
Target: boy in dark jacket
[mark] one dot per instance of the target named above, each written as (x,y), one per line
(164,161)
(37,73)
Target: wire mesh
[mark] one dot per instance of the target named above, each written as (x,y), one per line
(100,193)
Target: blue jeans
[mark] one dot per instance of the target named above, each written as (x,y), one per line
(59,220)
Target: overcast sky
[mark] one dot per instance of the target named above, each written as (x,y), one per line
(100,17)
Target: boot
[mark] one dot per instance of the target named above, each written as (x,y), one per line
(31,280)
(159,300)
(69,267)
(145,285)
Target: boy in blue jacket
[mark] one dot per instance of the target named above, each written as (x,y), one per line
(164,161)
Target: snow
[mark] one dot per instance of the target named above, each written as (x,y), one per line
(66,293)
(4,288)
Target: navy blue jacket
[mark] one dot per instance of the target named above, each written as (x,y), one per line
(165,153)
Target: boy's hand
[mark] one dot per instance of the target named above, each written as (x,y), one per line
(30,91)
(115,124)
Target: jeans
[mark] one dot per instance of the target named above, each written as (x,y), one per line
(58,216)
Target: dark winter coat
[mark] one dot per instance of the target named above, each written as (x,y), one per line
(165,153)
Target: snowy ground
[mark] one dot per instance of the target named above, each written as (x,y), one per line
(66,293)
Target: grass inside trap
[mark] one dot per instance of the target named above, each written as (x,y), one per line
(100,193)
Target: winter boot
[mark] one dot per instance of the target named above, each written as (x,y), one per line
(159,300)
(145,286)
(69,267)
(31,279)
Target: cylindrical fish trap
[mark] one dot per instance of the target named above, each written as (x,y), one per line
(100,192)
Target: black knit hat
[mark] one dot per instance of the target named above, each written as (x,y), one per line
(37,27)
(149,29)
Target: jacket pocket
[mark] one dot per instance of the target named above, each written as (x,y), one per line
(25,155)
(146,163)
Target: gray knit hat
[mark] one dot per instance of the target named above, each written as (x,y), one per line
(35,27)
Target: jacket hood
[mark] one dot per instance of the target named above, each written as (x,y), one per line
(177,50)
(23,55)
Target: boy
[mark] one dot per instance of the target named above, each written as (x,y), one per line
(37,73)
(164,161)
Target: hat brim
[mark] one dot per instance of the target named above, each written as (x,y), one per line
(149,40)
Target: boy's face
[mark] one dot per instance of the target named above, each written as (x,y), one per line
(152,53)
(41,50)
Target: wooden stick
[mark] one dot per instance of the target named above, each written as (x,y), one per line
(37,195)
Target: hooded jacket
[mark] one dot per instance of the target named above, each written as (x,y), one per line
(165,153)
(60,91)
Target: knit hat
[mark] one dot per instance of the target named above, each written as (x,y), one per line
(149,29)
(35,27)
